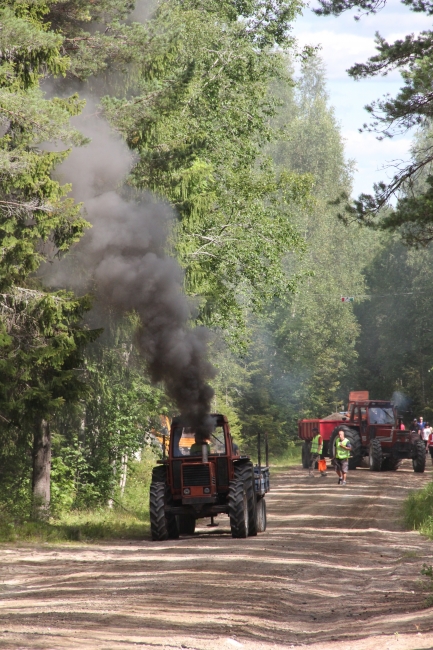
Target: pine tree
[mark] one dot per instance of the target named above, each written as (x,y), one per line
(413,106)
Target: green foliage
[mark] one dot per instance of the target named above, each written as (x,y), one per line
(113,420)
(198,122)
(418,510)
(303,360)
(395,349)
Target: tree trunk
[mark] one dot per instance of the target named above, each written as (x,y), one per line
(41,469)
(123,474)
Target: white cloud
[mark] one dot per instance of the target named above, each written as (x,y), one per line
(339,51)
(375,160)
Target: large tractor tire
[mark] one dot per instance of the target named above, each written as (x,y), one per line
(162,526)
(159,474)
(238,509)
(375,455)
(418,461)
(186,525)
(158,522)
(261,515)
(305,454)
(245,472)
(355,440)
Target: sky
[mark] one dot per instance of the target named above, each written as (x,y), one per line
(344,42)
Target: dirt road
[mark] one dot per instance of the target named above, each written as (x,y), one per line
(334,570)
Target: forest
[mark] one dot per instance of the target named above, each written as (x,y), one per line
(173,178)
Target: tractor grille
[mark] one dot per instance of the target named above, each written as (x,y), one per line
(195,475)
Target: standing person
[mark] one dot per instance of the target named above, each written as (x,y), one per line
(421,427)
(342,452)
(430,445)
(315,451)
(425,435)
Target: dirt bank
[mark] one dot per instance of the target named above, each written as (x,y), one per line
(334,570)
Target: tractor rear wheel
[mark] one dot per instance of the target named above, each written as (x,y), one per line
(355,440)
(186,524)
(245,472)
(305,455)
(261,515)
(375,455)
(418,461)
(238,508)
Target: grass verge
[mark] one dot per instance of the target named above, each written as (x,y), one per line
(418,510)
(81,526)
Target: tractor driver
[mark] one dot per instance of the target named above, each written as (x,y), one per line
(200,440)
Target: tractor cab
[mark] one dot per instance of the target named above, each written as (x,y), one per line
(374,418)
(200,463)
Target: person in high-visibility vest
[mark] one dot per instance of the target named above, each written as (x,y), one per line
(315,451)
(342,449)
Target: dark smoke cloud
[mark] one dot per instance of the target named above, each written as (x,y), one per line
(123,258)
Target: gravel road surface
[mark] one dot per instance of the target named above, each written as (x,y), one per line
(334,570)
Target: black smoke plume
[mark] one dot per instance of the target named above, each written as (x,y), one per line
(123,258)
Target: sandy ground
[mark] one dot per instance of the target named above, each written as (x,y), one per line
(334,570)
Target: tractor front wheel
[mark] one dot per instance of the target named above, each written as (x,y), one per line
(162,526)
(158,523)
(375,455)
(261,515)
(238,508)
(418,461)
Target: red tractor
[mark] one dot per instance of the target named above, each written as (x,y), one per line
(197,481)
(373,429)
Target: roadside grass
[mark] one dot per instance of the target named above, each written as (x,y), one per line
(79,526)
(291,457)
(127,517)
(418,510)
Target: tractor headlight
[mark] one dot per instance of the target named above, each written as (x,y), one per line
(206,490)
(186,491)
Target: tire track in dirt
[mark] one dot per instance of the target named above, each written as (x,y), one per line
(334,567)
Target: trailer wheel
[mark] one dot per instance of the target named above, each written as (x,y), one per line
(245,472)
(186,524)
(261,515)
(238,508)
(418,461)
(305,455)
(375,455)
(355,440)
(162,526)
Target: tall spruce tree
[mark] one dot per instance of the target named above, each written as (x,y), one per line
(40,333)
